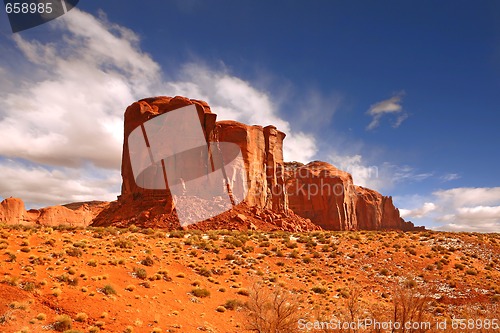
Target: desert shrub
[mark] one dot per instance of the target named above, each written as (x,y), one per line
(124,244)
(28,286)
(148,261)
(203,271)
(319,290)
(410,304)
(62,323)
(41,316)
(74,252)
(243,292)
(220,309)
(200,292)
(272,311)
(233,304)
(108,290)
(92,263)
(140,273)
(11,257)
(81,317)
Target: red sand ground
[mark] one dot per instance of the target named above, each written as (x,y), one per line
(48,272)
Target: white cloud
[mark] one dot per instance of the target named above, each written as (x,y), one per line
(469,196)
(362,174)
(235,99)
(382,177)
(72,113)
(64,116)
(450,177)
(419,212)
(40,186)
(388,106)
(458,209)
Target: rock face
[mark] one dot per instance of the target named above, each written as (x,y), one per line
(328,197)
(12,211)
(280,196)
(263,171)
(261,149)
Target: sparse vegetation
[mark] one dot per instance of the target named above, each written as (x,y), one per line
(200,292)
(351,275)
(62,323)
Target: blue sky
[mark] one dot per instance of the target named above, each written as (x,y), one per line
(404,95)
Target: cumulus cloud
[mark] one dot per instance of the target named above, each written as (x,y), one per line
(235,99)
(362,174)
(385,107)
(72,113)
(40,186)
(419,212)
(459,209)
(62,120)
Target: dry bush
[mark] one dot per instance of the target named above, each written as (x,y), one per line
(410,305)
(272,311)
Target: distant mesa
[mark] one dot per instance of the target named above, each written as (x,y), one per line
(280,195)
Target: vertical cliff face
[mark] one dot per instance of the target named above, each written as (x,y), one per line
(328,197)
(261,148)
(142,111)
(322,193)
(262,151)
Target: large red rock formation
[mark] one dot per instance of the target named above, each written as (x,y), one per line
(278,196)
(263,171)
(328,197)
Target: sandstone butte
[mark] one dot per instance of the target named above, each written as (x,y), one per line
(281,196)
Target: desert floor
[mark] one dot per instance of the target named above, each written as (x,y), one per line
(144,280)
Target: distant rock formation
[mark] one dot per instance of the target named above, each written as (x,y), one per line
(12,211)
(281,196)
(328,197)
